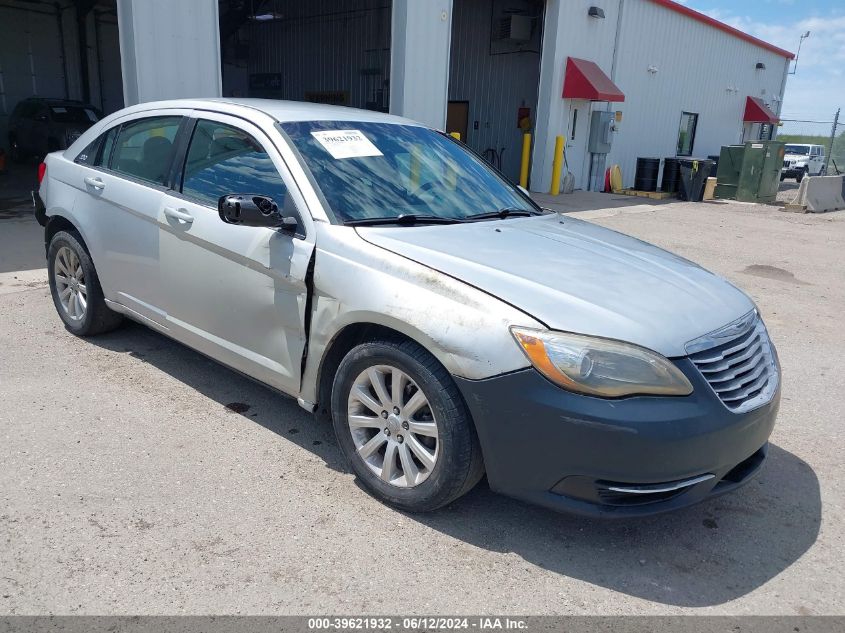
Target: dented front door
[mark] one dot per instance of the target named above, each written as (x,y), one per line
(235,293)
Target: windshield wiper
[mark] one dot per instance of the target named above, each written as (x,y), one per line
(501,214)
(404,219)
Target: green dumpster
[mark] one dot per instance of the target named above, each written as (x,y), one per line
(750,172)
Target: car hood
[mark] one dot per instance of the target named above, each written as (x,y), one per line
(577,277)
(796,157)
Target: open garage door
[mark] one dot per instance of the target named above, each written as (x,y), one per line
(58,50)
(494,74)
(324,51)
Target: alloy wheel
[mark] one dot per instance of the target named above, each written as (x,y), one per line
(70,283)
(393,426)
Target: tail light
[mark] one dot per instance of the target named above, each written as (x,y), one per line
(42,169)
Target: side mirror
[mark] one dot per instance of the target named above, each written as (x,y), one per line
(254,210)
(524,190)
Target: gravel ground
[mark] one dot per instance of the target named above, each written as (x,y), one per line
(140,478)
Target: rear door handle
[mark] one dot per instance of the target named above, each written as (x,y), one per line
(178,214)
(95,182)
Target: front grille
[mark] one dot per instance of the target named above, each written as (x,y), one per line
(739,363)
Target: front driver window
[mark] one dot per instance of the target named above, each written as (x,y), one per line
(223,159)
(144,148)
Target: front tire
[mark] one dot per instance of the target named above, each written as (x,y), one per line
(402,424)
(76,289)
(801,175)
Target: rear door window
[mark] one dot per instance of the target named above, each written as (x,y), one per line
(144,148)
(99,151)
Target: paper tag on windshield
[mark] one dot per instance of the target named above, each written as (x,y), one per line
(346,143)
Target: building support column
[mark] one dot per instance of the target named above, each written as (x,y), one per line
(421,38)
(169,50)
(83,9)
(549,102)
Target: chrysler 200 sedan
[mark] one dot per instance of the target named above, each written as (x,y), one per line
(390,280)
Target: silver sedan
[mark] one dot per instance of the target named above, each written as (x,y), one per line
(394,283)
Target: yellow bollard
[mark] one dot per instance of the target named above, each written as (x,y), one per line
(455,135)
(526,155)
(451,175)
(415,167)
(557,165)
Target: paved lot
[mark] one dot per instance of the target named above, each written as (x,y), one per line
(130,485)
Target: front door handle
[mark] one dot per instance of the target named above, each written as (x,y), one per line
(178,214)
(95,182)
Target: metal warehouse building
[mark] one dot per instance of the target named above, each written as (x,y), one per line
(670,81)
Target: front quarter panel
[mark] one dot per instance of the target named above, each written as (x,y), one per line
(357,282)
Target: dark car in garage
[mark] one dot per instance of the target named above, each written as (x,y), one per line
(39,125)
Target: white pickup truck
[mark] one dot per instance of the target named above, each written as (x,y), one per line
(802,160)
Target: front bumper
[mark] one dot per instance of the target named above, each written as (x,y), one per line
(571,452)
(791,172)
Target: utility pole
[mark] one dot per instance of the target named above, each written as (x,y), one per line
(832,139)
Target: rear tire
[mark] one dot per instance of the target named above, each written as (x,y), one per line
(417,449)
(76,289)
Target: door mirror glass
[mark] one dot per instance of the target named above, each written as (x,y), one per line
(254,210)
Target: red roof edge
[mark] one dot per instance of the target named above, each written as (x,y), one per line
(706,19)
(756,111)
(585,80)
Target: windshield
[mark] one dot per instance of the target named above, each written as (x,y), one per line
(384,170)
(74,114)
(797,149)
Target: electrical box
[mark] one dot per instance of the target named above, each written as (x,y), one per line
(601,132)
(750,172)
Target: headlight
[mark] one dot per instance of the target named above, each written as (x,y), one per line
(600,367)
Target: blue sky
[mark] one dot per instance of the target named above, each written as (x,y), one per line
(818,88)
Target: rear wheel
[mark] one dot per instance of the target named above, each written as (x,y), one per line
(76,289)
(403,426)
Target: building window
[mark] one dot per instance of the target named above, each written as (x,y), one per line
(686,135)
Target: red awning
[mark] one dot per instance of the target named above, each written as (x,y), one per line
(585,80)
(758,112)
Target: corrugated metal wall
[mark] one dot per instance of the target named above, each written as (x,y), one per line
(696,65)
(325,46)
(495,85)
(699,69)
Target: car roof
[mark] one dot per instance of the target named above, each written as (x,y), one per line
(281,111)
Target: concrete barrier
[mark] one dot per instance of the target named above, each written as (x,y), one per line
(818,194)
